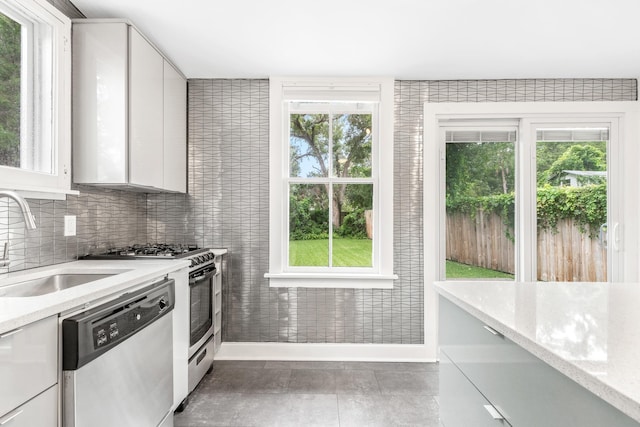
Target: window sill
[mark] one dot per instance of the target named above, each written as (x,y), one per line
(315,280)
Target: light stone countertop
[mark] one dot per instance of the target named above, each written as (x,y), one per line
(588,331)
(19,311)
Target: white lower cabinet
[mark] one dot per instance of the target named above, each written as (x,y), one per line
(180,337)
(41,411)
(217,305)
(520,387)
(28,367)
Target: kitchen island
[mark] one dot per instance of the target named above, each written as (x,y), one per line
(542,352)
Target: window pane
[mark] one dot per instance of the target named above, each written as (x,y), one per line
(308,225)
(352,145)
(571,167)
(10,63)
(309,145)
(352,225)
(480,194)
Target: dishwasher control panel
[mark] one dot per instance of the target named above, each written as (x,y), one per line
(87,335)
(127,320)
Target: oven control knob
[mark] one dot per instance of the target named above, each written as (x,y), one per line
(162,304)
(193,262)
(201,258)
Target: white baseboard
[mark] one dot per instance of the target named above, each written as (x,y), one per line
(324,352)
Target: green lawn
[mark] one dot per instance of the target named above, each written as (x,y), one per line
(357,253)
(315,253)
(455,270)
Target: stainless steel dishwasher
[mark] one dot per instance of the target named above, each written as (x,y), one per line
(117,361)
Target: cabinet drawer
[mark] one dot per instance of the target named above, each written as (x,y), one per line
(217,340)
(457,327)
(41,411)
(218,322)
(218,282)
(527,391)
(461,404)
(218,302)
(28,362)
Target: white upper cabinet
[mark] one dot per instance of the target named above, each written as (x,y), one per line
(175,135)
(146,71)
(129,110)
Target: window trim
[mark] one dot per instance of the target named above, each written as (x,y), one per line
(57,184)
(327,90)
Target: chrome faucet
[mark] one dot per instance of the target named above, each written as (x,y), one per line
(29,222)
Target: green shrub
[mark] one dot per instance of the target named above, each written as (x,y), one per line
(354,225)
(587,206)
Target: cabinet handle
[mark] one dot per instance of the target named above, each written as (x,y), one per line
(8,334)
(10,417)
(493,331)
(493,412)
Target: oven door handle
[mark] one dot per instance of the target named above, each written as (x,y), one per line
(200,278)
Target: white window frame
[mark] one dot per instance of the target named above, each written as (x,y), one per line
(626,114)
(46,120)
(286,90)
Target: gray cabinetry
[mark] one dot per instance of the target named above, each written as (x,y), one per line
(522,388)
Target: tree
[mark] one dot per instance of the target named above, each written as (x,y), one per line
(548,152)
(351,148)
(479,169)
(10,61)
(576,157)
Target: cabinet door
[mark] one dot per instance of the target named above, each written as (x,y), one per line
(175,130)
(146,69)
(41,411)
(100,59)
(461,404)
(28,362)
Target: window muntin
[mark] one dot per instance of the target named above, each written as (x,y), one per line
(331,185)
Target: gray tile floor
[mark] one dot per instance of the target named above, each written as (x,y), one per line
(271,393)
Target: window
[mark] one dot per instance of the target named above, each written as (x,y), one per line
(35,97)
(331,186)
(533,191)
(480,196)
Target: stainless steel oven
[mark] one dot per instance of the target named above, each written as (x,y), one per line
(201,320)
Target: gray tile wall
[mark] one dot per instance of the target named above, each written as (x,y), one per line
(104,218)
(228,207)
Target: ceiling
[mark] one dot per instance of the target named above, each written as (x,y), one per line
(404,39)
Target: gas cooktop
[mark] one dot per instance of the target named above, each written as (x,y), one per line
(149,250)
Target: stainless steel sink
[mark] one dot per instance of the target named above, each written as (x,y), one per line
(49,284)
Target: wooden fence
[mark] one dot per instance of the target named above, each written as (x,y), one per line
(563,255)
